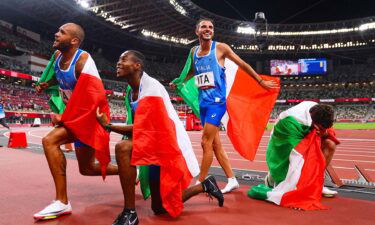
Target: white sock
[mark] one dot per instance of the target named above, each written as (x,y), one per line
(232,180)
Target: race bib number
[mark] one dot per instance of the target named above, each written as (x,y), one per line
(205,80)
(65,95)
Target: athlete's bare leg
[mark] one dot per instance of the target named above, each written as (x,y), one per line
(56,159)
(209,134)
(222,156)
(127,172)
(87,164)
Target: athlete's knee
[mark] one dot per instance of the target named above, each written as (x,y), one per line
(86,171)
(206,143)
(48,141)
(123,148)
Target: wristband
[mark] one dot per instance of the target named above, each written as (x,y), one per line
(260,82)
(108,128)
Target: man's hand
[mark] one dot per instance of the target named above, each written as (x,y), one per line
(42,86)
(101,118)
(172,86)
(268,84)
(56,119)
(320,131)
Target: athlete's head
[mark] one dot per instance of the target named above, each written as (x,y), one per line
(69,35)
(322,116)
(130,63)
(205,29)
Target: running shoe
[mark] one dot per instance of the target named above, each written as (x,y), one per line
(210,187)
(54,210)
(328,193)
(127,217)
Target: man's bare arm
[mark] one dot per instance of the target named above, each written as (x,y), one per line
(104,122)
(228,53)
(80,64)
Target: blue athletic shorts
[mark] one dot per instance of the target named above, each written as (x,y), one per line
(78,144)
(212,113)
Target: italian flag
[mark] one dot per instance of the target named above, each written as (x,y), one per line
(159,139)
(55,102)
(249,105)
(296,162)
(79,116)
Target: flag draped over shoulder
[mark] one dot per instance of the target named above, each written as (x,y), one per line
(296,162)
(56,103)
(248,105)
(188,90)
(143,170)
(79,116)
(159,139)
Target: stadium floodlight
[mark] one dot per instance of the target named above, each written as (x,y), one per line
(84,3)
(164,37)
(258,21)
(245,30)
(178,7)
(367,26)
(261,30)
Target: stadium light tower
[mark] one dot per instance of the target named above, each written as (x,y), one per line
(84,3)
(261,30)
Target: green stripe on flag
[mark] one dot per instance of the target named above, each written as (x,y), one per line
(259,192)
(287,134)
(188,90)
(56,103)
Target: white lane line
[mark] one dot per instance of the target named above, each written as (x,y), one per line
(336,154)
(262,161)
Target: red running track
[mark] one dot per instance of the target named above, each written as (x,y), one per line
(357,148)
(27,186)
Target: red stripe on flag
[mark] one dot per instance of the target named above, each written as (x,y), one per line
(155,143)
(249,107)
(80,116)
(310,184)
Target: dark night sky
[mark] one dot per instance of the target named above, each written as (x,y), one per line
(291,11)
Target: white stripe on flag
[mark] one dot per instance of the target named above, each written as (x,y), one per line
(230,75)
(296,162)
(152,87)
(90,67)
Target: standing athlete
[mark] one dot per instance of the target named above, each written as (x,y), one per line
(208,69)
(2,116)
(70,61)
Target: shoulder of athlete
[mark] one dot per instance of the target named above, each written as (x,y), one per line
(81,63)
(193,50)
(222,48)
(56,54)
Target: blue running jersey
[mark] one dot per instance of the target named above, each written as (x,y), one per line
(210,78)
(2,113)
(67,78)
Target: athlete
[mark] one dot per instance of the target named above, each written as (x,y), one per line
(130,68)
(319,117)
(70,61)
(208,69)
(2,116)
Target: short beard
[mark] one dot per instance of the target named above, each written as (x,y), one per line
(63,47)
